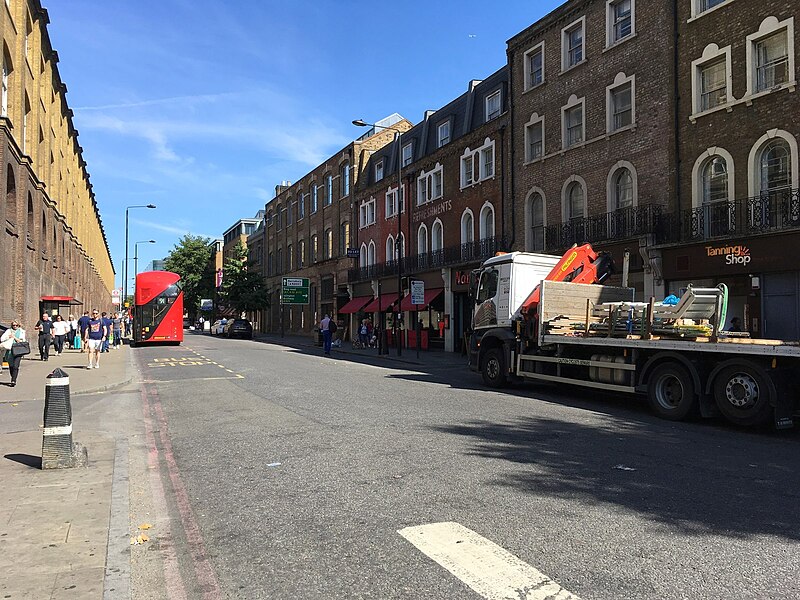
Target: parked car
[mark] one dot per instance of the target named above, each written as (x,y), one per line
(218,327)
(239,328)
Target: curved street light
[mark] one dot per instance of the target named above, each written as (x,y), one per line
(398,243)
(136,255)
(125,266)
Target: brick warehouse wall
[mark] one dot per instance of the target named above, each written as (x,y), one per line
(52,238)
(648,145)
(741,122)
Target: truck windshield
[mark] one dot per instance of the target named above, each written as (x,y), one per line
(488,285)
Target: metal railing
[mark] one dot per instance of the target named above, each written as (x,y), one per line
(446,257)
(772,211)
(620,224)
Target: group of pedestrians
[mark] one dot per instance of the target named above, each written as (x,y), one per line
(93,333)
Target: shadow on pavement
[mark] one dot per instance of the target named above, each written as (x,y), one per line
(696,479)
(26,459)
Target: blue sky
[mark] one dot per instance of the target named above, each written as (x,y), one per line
(201,107)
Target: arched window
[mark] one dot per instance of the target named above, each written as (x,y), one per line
(467,228)
(362,258)
(422,239)
(329,243)
(576,201)
(775,166)
(43,232)
(371,254)
(8,67)
(11,197)
(390,249)
(623,189)
(437,236)
(487,222)
(714,180)
(31,220)
(535,236)
(301,254)
(344,180)
(402,245)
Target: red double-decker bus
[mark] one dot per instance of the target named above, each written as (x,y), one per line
(158,308)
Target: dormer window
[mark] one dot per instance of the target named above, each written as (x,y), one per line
(443,134)
(379,171)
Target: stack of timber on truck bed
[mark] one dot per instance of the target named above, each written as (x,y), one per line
(570,309)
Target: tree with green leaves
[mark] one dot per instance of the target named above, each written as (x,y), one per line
(191,259)
(243,288)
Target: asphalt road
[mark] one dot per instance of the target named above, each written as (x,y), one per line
(288,476)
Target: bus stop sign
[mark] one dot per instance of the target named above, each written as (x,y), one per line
(294,290)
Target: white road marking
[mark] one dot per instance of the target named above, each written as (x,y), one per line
(490,570)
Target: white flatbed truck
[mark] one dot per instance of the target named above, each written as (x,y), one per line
(598,336)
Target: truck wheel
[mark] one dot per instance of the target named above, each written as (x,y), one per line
(743,394)
(671,391)
(493,369)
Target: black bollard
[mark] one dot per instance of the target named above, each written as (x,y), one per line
(58,451)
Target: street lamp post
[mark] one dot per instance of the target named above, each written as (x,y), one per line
(125,265)
(398,245)
(136,255)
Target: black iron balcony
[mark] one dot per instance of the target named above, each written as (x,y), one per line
(769,212)
(470,252)
(621,224)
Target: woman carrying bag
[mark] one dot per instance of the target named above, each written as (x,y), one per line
(16,346)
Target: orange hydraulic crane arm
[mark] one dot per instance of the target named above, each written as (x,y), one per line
(580,264)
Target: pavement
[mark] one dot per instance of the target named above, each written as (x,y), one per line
(64,533)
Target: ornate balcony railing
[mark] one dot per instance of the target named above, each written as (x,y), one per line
(768,212)
(446,257)
(620,224)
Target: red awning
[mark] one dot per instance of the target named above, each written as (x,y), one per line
(62,300)
(354,305)
(429,296)
(386,300)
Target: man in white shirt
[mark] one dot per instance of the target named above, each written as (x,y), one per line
(324,327)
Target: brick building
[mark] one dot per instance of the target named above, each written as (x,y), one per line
(53,249)
(593,154)
(738,207)
(458,208)
(308,232)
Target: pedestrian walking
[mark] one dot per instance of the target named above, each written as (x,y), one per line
(13,335)
(324,327)
(116,325)
(107,324)
(83,323)
(45,328)
(60,330)
(73,331)
(95,334)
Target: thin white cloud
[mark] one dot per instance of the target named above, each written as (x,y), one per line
(168,229)
(159,102)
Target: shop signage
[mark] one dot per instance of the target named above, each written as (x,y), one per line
(732,255)
(353,253)
(433,210)
(462,277)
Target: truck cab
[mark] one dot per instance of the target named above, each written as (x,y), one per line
(502,285)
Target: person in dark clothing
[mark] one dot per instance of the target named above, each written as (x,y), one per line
(107,325)
(736,325)
(83,323)
(45,328)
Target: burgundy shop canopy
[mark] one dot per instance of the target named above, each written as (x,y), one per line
(429,297)
(355,305)
(381,304)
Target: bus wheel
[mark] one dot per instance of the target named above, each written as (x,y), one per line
(743,394)
(493,369)
(671,391)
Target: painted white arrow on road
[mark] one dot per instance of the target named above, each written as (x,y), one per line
(490,570)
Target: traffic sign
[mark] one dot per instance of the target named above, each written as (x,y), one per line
(295,290)
(417,292)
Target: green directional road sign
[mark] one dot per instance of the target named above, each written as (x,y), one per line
(295,290)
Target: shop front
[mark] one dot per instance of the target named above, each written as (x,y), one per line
(761,275)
